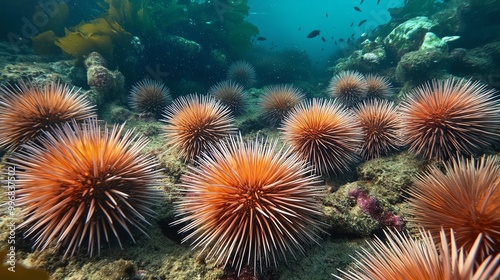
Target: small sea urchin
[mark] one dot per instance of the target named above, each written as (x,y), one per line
(323,132)
(349,87)
(380,126)
(278,100)
(403,257)
(242,73)
(444,118)
(82,184)
(149,97)
(466,198)
(193,123)
(249,203)
(28,110)
(377,86)
(230,94)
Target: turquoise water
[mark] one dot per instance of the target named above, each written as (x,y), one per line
(279,22)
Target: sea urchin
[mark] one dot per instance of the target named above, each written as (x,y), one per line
(242,73)
(230,94)
(403,257)
(323,132)
(81,184)
(278,100)
(27,110)
(444,118)
(380,125)
(149,97)
(349,87)
(249,203)
(466,198)
(193,123)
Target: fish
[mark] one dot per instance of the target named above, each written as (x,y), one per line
(341,40)
(322,49)
(300,28)
(357,9)
(313,34)
(378,2)
(352,23)
(335,43)
(352,35)
(261,38)
(348,40)
(361,22)
(361,2)
(332,37)
(323,39)
(326,15)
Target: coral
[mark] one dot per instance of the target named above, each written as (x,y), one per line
(84,184)
(464,197)
(28,110)
(95,59)
(408,36)
(272,197)
(441,119)
(323,132)
(369,205)
(105,84)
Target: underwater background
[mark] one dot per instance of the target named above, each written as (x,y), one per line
(248,139)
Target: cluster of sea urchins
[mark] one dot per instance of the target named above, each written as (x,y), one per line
(249,203)
(351,87)
(82,184)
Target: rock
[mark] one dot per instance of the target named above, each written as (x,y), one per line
(408,36)
(422,65)
(433,42)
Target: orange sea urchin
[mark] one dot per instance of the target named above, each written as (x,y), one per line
(249,203)
(81,184)
(230,94)
(278,100)
(27,110)
(349,87)
(323,132)
(403,257)
(377,86)
(149,97)
(444,118)
(380,125)
(465,198)
(194,122)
